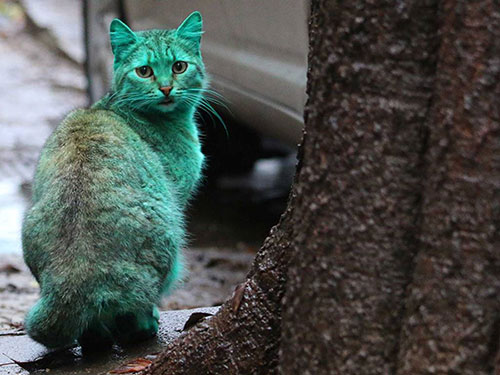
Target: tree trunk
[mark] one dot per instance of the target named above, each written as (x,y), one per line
(243,337)
(387,258)
(452,320)
(370,85)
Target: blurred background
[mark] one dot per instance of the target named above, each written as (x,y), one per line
(55,57)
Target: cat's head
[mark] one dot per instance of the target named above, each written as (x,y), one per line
(158,70)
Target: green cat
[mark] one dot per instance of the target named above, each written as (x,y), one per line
(104,234)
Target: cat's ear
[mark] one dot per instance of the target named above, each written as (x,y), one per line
(122,38)
(191,28)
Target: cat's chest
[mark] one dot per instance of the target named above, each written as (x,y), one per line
(181,155)
(175,145)
(179,151)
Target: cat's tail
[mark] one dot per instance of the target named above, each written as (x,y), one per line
(53,324)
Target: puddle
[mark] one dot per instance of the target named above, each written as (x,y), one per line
(12,207)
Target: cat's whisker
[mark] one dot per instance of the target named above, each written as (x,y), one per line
(207,91)
(207,108)
(218,98)
(196,101)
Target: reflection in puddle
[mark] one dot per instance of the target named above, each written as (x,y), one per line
(12,206)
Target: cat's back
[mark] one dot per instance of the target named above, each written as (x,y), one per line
(89,147)
(96,179)
(85,136)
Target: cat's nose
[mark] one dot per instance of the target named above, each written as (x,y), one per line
(166,90)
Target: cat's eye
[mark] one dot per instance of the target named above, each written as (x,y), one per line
(179,67)
(144,71)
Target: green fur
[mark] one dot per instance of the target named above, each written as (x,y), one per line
(104,234)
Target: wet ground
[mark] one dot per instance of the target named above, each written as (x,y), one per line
(42,81)
(22,356)
(39,85)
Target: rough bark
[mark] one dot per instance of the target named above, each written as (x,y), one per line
(243,338)
(387,259)
(452,321)
(370,83)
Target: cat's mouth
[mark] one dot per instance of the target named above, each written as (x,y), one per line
(166,101)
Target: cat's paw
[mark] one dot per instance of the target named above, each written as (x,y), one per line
(95,340)
(135,327)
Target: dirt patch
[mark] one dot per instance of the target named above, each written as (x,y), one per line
(18,291)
